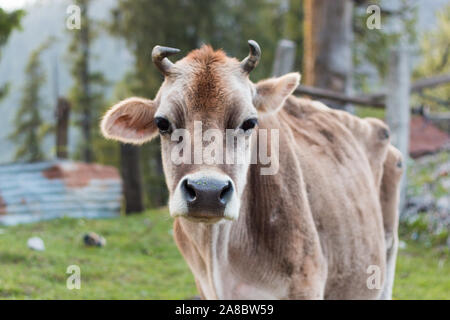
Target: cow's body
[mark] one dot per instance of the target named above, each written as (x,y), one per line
(323,226)
(313,230)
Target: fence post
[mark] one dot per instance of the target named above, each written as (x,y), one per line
(284,57)
(397,107)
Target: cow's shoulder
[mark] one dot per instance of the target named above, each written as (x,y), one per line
(342,129)
(370,131)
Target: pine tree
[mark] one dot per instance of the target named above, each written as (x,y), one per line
(365,40)
(28,134)
(293,29)
(8,22)
(86,100)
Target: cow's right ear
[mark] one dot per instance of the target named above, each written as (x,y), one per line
(130,121)
(272,93)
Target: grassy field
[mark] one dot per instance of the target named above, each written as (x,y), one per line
(141,261)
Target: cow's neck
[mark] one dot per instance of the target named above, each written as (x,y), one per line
(274,215)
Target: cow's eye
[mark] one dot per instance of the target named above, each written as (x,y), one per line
(249,124)
(163,124)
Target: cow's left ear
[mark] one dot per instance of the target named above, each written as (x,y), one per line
(130,121)
(272,93)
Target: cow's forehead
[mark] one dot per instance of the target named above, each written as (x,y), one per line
(207,81)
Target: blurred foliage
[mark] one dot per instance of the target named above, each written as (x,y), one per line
(293,29)
(8,22)
(188,24)
(86,95)
(29,128)
(425,180)
(420,229)
(365,112)
(435,49)
(372,46)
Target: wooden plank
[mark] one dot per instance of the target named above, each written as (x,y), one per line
(376,100)
(340,97)
(430,82)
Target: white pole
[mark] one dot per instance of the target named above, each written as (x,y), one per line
(397,107)
(284,57)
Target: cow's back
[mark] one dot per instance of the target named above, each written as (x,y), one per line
(341,158)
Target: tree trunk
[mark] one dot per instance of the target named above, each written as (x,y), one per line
(328,37)
(131,176)
(62,126)
(85,82)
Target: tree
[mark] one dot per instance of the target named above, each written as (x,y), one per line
(371,47)
(293,29)
(62,115)
(327,35)
(8,22)
(131,176)
(435,49)
(86,101)
(28,133)
(337,42)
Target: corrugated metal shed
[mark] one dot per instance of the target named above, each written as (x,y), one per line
(45,190)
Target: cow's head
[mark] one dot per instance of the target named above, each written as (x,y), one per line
(211,90)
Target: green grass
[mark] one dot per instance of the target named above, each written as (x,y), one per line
(365,112)
(141,261)
(422,273)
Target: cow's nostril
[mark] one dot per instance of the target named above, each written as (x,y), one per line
(225,194)
(189,191)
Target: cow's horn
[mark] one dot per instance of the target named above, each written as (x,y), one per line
(249,63)
(159,57)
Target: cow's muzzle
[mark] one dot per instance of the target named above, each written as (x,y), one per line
(208,195)
(205,198)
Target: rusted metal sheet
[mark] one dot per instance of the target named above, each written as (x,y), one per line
(46,190)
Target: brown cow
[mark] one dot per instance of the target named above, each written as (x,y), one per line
(324,226)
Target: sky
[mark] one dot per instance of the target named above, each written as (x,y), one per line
(13,4)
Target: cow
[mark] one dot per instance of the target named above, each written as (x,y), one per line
(323,226)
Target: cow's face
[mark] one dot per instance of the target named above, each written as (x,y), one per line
(205,112)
